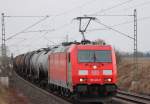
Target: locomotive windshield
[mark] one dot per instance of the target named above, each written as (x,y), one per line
(94,56)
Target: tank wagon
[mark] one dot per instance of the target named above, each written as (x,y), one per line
(86,72)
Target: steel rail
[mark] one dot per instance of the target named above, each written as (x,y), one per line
(122,96)
(58,99)
(132,98)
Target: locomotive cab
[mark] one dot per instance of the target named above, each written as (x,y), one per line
(93,70)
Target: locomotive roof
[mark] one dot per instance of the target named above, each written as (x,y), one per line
(64,47)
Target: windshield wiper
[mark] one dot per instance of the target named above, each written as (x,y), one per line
(94,57)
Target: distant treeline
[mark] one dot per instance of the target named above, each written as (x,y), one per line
(139,54)
(120,55)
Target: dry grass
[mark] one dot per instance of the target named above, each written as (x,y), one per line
(132,79)
(11,96)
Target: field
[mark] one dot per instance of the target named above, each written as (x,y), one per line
(135,80)
(8,95)
(11,96)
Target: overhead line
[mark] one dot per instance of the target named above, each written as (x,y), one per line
(77,7)
(58,28)
(38,31)
(126,22)
(23,16)
(27,28)
(138,5)
(112,7)
(111,15)
(114,30)
(48,40)
(25,40)
(63,26)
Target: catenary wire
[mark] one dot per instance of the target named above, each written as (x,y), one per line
(24,16)
(112,7)
(138,5)
(38,31)
(47,31)
(77,7)
(121,33)
(123,23)
(27,28)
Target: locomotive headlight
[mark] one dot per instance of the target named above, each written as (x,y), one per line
(94,67)
(109,79)
(81,80)
(107,72)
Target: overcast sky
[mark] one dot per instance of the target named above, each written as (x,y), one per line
(61,22)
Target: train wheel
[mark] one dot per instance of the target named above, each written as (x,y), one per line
(61,91)
(50,86)
(67,93)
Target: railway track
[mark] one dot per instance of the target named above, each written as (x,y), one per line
(52,98)
(121,98)
(39,96)
(132,98)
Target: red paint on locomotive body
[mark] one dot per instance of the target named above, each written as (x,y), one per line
(91,77)
(66,69)
(58,68)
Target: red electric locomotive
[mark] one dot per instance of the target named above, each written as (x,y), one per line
(88,72)
(85,72)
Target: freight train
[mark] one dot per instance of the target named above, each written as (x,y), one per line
(85,72)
